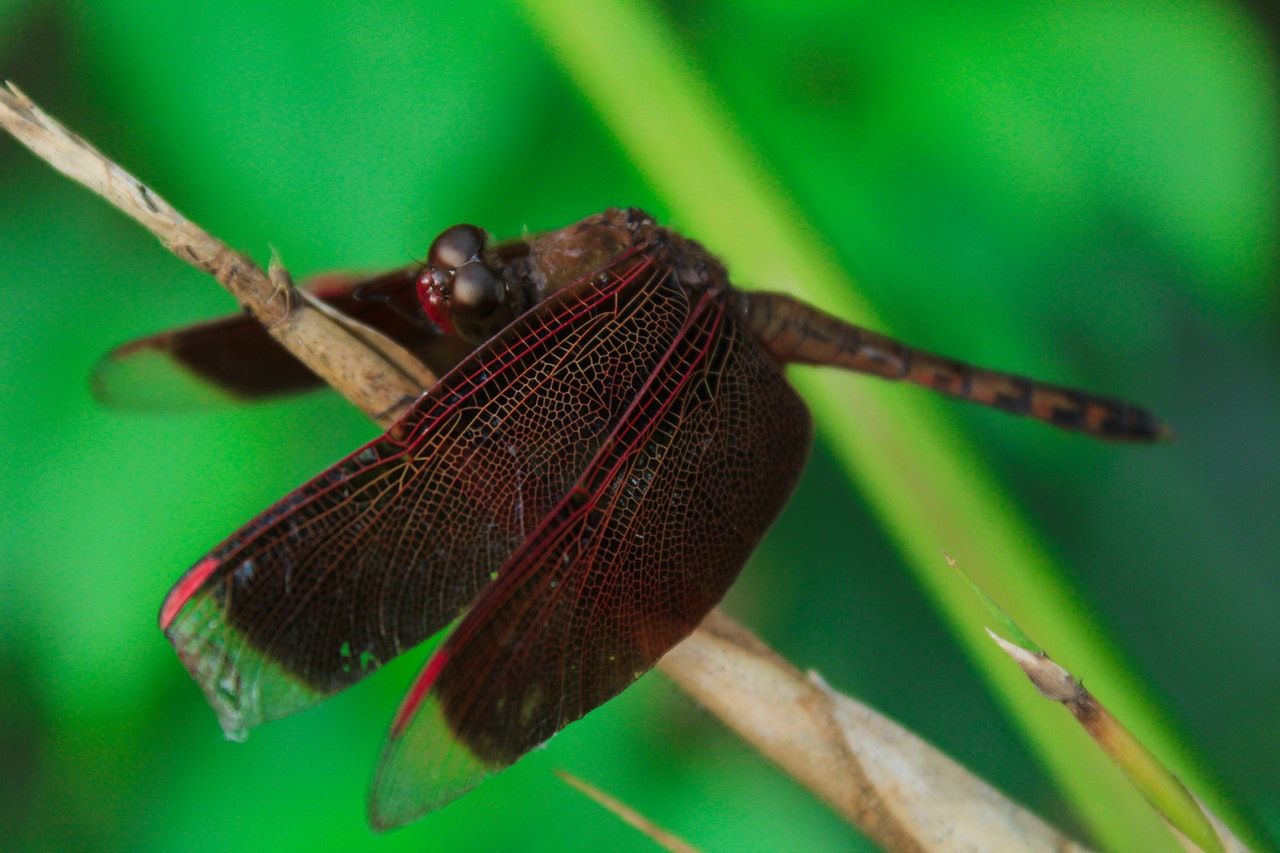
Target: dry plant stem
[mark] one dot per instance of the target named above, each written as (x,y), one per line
(624,812)
(899,790)
(902,793)
(1156,784)
(377,382)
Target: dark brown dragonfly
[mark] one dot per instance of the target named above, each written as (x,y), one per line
(612,438)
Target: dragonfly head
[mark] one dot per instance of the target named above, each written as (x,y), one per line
(463,291)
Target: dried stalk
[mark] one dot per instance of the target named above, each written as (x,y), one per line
(902,793)
(375,374)
(664,839)
(1194,825)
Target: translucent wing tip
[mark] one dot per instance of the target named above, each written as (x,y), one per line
(423,768)
(244,686)
(136,377)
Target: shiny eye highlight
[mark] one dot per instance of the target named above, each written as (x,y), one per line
(455,246)
(477,292)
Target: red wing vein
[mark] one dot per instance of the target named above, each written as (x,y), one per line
(628,438)
(379,508)
(284,603)
(570,313)
(247,551)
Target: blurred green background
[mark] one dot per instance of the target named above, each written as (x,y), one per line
(1082,192)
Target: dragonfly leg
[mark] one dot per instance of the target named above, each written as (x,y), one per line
(794,332)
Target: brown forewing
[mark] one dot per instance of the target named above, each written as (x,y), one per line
(396,540)
(236,356)
(646,542)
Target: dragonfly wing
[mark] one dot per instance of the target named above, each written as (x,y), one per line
(220,361)
(233,358)
(396,540)
(646,542)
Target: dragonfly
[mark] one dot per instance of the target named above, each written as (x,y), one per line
(612,436)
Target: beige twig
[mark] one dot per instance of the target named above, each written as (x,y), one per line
(901,792)
(628,815)
(373,378)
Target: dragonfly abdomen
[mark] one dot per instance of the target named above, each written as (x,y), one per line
(794,332)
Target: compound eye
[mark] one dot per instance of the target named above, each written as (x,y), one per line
(430,291)
(455,246)
(477,292)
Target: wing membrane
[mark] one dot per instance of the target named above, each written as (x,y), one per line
(396,540)
(628,562)
(233,358)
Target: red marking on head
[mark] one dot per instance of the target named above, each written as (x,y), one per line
(431,298)
(418,692)
(184,589)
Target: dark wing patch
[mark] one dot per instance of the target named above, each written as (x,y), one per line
(396,540)
(233,358)
(647,541)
